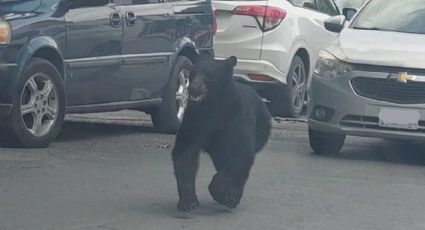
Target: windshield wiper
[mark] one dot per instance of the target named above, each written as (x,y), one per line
(370,28)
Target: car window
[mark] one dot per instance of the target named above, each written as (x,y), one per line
(309,4)
(141,2)
(327,7)
(393,15)
(18,5)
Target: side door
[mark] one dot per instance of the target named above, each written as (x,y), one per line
(148,46)
(311,23)
(329,8)
(93,52)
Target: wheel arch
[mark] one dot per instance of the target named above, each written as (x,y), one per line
(42,47)
(189,51)
(305,56)
(301,49)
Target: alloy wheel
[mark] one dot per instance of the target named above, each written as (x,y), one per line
(298,86)
(182,93)
(39,105)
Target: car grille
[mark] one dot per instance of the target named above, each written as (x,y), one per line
(355,121)
(390,90)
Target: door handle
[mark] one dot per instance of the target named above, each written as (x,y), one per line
(131,18)
(116,19)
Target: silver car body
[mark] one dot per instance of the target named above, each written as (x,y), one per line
(393,105)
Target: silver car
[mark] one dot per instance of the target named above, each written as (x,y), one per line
(371,81)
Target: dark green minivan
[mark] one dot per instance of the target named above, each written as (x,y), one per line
(84,56)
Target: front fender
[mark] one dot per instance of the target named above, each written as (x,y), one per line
(32,47)
(25,55)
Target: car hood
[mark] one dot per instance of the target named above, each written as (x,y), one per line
(380,48)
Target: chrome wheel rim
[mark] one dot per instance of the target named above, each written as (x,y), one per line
(182,93)
(298,86)
(39,105)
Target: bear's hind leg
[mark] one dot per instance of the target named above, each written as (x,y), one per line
(228,184)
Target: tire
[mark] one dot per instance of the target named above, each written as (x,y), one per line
(288,100)
(325,143)
(168,116)
(40,93)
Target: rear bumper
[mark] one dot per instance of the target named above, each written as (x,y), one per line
(246,67)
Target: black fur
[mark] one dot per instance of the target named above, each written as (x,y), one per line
(230,122)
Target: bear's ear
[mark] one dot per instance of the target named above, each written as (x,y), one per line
(232,61)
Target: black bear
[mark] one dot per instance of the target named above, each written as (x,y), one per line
(230,122)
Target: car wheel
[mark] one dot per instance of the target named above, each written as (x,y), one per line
(325,143)
(167,118)
(38,106)
(288,101)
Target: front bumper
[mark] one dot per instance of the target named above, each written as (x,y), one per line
(356,115)
(7,80)
(5,110)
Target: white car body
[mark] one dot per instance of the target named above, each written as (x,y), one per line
(269,53)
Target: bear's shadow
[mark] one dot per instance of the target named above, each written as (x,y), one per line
(169,209)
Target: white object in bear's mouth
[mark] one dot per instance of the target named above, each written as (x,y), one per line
(196,99)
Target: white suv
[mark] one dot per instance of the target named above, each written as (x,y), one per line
(277,43)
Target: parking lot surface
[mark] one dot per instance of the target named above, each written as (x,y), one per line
(113,172)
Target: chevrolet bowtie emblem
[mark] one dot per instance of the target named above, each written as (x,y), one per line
(403,77)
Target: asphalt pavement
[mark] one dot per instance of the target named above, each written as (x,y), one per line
(113,172)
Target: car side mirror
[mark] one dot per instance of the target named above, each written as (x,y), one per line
(335,24)
(349,13)
(309,5)
(87,3)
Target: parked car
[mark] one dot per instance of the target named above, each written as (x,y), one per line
(82,56)
(350,7)
(276,42)
(354,4)
(371,81)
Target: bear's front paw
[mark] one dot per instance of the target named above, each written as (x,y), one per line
(187,205)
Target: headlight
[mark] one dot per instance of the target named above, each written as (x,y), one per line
(5,32)
(328,66)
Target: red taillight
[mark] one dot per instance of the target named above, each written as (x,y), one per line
(268,17)
(214,22)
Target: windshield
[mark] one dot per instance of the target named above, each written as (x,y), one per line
(14,6)
(393,15)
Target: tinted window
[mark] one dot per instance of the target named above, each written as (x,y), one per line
(327,7)
(394,15)
(309,4)
(136,2)
(141,2)
(9,6)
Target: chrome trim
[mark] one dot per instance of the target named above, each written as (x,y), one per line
(8,65)
(103,58)
(113,106)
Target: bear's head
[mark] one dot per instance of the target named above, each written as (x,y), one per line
(211,79)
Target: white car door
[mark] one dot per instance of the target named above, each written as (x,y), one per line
(312,15)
